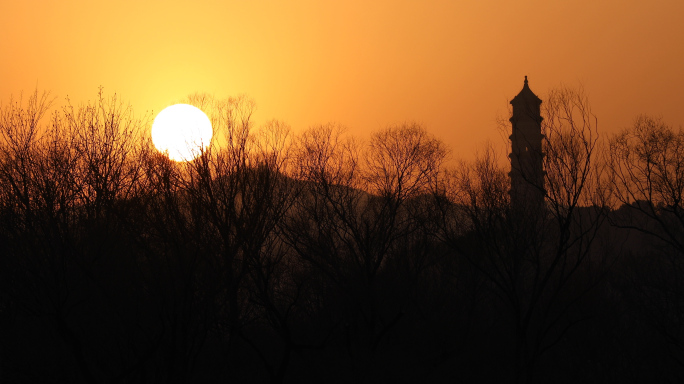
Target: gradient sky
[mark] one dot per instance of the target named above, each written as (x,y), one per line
(451,65)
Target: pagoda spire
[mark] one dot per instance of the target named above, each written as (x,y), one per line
(527,168)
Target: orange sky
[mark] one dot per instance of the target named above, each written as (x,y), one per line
(451,65)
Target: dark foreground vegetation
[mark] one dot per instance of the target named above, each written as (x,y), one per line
(316,258)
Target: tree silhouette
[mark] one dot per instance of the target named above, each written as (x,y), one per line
(351,216)
(314,257)
(63,185)
(646,164)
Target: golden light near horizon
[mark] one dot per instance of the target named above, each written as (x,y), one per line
(182,132)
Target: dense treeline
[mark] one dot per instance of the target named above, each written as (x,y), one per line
(276,257)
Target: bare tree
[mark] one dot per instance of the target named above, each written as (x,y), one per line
(71,180)
(233,196)
(646,162)
(352,215)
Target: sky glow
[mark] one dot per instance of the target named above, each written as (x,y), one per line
(451,66)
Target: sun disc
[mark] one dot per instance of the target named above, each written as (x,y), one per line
(181,131)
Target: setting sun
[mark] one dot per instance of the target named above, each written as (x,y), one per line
(182,132)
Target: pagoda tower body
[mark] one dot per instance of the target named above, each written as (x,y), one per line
(527,170)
